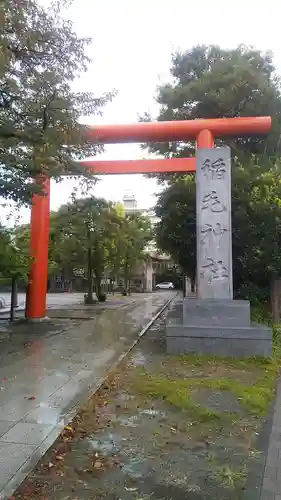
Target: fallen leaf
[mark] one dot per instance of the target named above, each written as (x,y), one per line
(50,465)
(98,465)
(31,398)
(68,428)
(130,489)
(59,457)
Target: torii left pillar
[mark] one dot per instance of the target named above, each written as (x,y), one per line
(39,239)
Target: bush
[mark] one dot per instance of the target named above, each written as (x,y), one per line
(101,297)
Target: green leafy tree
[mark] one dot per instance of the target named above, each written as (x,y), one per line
(209,82)
(14,259)
(94,235)
(40,57)
(82,235)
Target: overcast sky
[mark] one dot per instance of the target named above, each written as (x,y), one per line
(131,52)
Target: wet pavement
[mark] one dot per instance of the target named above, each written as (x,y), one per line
(55,301)
(41,389)
(64,311)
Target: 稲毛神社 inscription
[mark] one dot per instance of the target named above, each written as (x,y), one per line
(214,242)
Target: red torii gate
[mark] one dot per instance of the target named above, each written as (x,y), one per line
(202,131)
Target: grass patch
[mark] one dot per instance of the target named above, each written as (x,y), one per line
(176,393)
(254,396)
(252,382)
(229,477)
(194,360)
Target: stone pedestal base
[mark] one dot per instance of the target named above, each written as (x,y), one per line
(217,328)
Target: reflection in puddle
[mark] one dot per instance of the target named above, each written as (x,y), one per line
(139,359)
(132,421)
(136,463)
(133,468)
(152,413)
(110,443)
(123,396)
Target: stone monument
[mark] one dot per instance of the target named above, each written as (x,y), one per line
(213,322)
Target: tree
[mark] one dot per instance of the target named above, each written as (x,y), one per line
(136,233)
(13,263)
(82,235)
(209,82)
(256,224)
(40,57)
(116,245)
(95,235)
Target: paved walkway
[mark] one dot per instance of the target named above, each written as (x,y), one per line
(54,300)
(39,392)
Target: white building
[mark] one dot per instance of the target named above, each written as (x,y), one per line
(131,206)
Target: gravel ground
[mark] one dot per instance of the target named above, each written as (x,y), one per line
(163,428)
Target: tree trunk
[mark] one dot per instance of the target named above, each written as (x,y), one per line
(184,285)
(126,278)
(89,297)
(98,284)
(275,300)
(14,299)
(192,284)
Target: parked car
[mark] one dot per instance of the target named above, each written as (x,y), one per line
(165,285)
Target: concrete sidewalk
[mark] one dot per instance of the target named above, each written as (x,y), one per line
(40,392)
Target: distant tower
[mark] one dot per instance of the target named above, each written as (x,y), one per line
(129,203)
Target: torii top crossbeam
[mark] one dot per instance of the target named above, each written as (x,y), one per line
(177,130)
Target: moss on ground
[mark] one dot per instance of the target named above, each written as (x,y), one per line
(254,395)
(175,393)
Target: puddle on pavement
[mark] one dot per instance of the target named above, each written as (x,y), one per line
(139,359)
(108,444)
(125,397)
(135,467)
(135,420)
(152,413)
(132,421)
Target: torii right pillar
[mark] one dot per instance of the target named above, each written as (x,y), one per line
(212,323)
